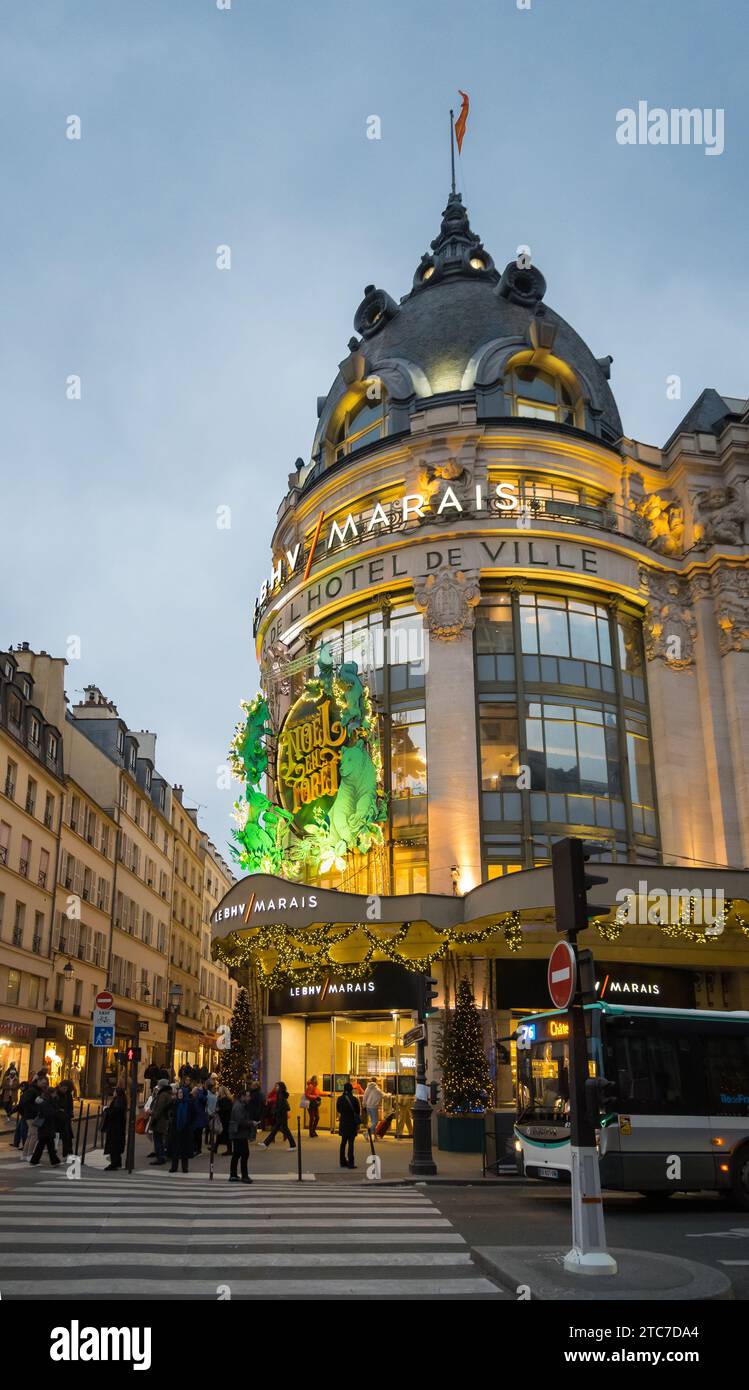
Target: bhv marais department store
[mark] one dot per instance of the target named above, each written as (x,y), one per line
(492,619)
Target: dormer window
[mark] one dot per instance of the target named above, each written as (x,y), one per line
(364,422)
(120,740)
(537,395)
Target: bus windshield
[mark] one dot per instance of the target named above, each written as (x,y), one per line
(544,1082)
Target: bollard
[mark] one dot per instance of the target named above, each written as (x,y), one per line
(78,1128)
(299,1148)
(85,1136)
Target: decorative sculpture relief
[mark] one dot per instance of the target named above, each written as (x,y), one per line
(720,517)
(662,523)
(448,604)
(732,609)
(670,626)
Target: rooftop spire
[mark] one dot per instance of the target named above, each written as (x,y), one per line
(455,251)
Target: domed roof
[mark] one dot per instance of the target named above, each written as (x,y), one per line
(458,325)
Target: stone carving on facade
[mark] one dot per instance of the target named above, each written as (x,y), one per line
(669,626)
(720,517)
(659,523)
(439,477)
(448,602)
(731,588)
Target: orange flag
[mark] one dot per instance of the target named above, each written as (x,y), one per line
(460,124)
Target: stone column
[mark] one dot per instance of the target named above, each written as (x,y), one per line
(721,764)
(452,759)
(732,620)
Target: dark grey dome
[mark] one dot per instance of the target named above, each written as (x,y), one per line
(455,331)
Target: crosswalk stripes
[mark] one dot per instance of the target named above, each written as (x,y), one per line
(136,1237)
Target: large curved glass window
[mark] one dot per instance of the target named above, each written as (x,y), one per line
(363,423)
(538,395)
(563,729)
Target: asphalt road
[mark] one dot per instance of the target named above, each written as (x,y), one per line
(705,1229)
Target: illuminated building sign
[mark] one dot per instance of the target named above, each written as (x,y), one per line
(309,758)
(388,987)
(415,507)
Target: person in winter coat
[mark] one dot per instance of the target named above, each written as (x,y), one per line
(281,1118)
(349,1118)
(162,1097)
(22,1124)
(9,1087)
(113,1127)
(46,1111)
(373,1098)
(256,1108)
(36,1088)
(313,1096)
(152,1074)
(199,1098)
(64,1101)
(239,1129)
(181,1140)
(224,1114)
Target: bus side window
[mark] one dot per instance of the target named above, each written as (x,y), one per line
(727,1074)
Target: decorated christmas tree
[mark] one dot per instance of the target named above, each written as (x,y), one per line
(240,1062)
(466,1081)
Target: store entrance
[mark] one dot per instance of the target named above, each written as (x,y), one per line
(362,1048)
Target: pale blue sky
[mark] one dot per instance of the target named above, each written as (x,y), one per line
(248,127)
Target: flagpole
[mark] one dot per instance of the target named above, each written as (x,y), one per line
(452,147)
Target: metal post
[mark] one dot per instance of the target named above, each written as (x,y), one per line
(299,1147)
(588,1254)
(78,1127)
(85,1137)
(422,1163)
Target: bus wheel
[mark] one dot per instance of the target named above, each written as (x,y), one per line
(740,1179)
(657,1199)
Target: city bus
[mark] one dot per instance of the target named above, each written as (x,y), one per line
(677,1116)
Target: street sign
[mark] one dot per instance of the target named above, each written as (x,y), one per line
(103,1018)
(104,1000)
(142,1025)
(103,1037)
(562,975)
(414,1035)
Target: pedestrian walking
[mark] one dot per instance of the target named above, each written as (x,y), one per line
(113,1127)
(269,1112)
(180,1144)
(75,1077)
(199,1097)
(45,1122)
(224,1108)
(152,1074)
(162,1098)
(313,1096)
(373,1098)
(63,1095)
(240,1127)
(349,1119)
(256,1108)
(38,1086)
(281,1119)
(22,1125)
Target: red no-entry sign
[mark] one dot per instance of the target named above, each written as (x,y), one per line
(562,975)
(104,1000)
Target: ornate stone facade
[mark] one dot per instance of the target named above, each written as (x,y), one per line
(669,625)
(448,604)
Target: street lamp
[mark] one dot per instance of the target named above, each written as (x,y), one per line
(175,999)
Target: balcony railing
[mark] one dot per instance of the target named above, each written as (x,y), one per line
(18,936)
(23,867)
(36,945)
(42,878)
(3,854)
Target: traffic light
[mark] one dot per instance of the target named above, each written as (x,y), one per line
(133,1054)
(121,1058)
(571,884)
(601,1098)
(426,995)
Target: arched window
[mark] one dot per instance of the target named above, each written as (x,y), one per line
(363,421)
(538,395)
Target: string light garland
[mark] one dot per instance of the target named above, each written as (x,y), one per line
(303,955)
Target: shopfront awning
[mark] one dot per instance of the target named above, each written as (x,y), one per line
(293,927)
